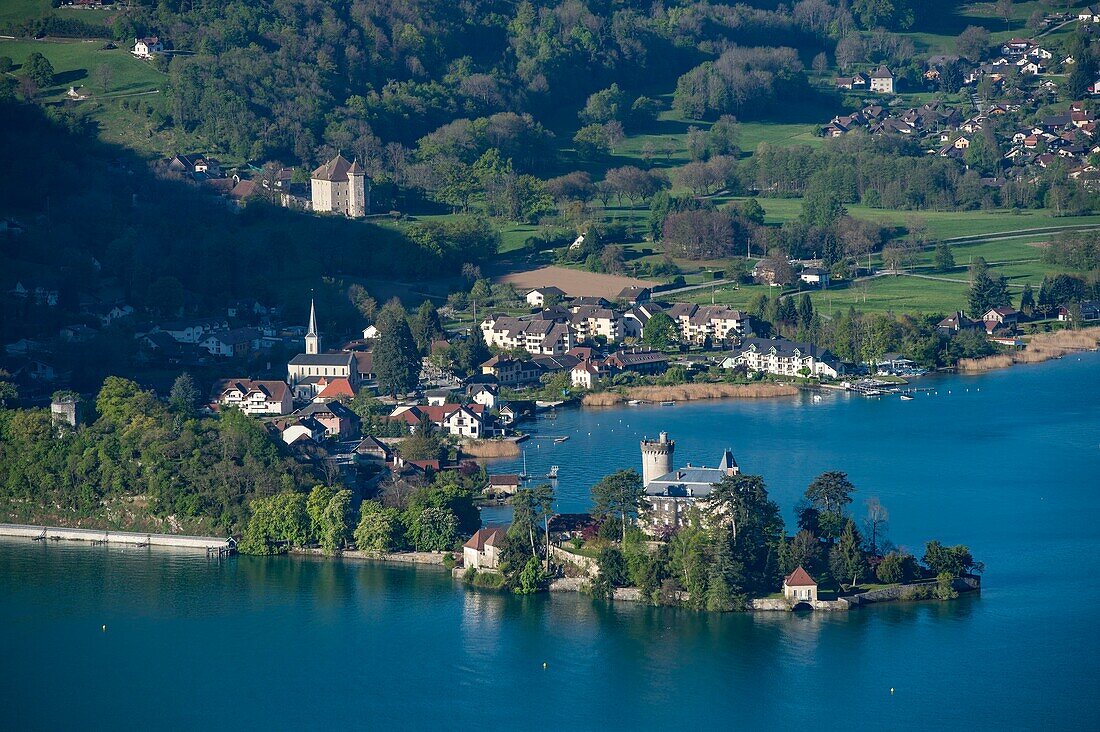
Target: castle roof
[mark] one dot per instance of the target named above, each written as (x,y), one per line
(335,170)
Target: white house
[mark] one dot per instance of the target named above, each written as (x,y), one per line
(487,395)
(146,47)
(370,333)
(538,297)
(784,358)
(882,80)
(254,397)
(584,375)
(815,276)
(539,337)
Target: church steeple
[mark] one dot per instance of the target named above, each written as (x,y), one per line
(313,340)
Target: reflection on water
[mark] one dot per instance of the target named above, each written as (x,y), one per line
(310,643)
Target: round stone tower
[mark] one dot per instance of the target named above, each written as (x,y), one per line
(656,457)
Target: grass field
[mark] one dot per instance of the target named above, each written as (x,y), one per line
(15,11)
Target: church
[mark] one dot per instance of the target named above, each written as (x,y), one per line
(341,187)
(309,373)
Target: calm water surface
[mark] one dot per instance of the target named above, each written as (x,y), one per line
(1006,462)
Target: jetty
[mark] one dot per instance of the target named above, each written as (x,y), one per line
(213,546)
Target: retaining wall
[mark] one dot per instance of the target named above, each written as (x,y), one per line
(113,537)
(590,566)
(897,592)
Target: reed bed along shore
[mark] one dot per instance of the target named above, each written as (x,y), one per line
(1041,347)
(688,392)
(490,448)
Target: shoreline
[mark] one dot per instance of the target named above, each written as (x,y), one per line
(1042,347)
(690,392)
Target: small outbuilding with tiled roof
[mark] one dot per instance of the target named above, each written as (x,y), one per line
(799,586)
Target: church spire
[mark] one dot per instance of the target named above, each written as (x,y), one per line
(313,340)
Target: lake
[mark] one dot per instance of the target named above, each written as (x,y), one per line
(1006,462)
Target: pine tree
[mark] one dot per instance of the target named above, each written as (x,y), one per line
(396,358)
(944,259)
(846,560)
(1027,301)
(805,311)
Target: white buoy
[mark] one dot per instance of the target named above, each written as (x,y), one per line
(104,628)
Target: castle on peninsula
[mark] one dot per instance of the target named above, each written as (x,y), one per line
(670,493)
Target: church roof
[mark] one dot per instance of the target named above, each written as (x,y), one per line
(322,359)
(335,170)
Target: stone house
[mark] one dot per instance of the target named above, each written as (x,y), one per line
(482,551)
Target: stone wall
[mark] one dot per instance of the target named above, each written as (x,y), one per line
(587,564)
(897,592)
(114,537)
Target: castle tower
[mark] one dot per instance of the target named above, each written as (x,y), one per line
(357,191)
(656,457)
(313,340)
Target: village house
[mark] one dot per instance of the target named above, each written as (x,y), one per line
(501,486)
(512,371)
(458,420)
(253,397)
(539,337)
(585,374)
(540,297)
(192,331)
(482,551)
(1000,318)
(815,276)
(340,187)
(956,322)
(372,450)
(699,323)
(799,586)
(338,420)
(305,429)
(1086,309)
(589,323)
(486,395)
(782,357)
(147,47)
(634,295)
(643,361)
(1088,14)
(237,342)
(882,80)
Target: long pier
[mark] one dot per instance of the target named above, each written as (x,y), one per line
(213,546)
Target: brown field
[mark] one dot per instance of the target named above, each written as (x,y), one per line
(688,392)
(490,448)
(573,282)
(1041,347)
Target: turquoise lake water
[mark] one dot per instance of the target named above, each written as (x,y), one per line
(1006,462)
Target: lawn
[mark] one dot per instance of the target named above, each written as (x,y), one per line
(896,294)
(75,61)
(17,11)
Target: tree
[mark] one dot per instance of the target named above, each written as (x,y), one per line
(805,310)
(803,550)
(896,567)
(9,393)
(846,560)
(660,332)
(39,70)
(604,106)
(335,522)
(972,43)
(426,326)
(986,291)
(619,494)
(953,560)
(363,302)
(433,529)
(1027,300)
(822,205)
(379,528)
(944,259)
(184,396)
(102,74)
(592,141)
(396,358)
(830,492)
(876,522)
(277,523)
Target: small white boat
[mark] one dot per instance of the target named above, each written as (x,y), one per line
(553,474)
(634,402)
(668,404)
(906,398)
(563,438)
